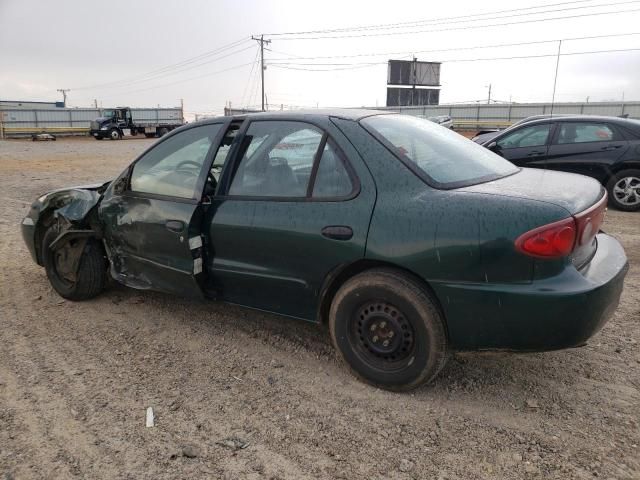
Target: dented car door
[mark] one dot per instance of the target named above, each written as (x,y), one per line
(152,215)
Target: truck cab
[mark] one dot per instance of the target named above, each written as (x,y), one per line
(112,124)
(115,123)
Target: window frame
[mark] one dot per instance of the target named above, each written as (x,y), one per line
(235,157)
(553,128)
(202,177)
(618,135)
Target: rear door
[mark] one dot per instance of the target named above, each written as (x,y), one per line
(586,147)
(153,214)
(293,205)
(525,146)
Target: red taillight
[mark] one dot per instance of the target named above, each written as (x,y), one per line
(558,239)
(549,241)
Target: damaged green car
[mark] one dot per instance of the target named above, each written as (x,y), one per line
(406,239)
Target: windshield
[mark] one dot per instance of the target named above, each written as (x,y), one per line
(444,159)
(107,113)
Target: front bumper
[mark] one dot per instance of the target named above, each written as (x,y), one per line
(558,312)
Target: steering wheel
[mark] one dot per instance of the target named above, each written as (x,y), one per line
(188,162)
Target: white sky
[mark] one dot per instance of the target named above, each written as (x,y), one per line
(45,45)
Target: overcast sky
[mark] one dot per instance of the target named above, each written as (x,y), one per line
(116,52)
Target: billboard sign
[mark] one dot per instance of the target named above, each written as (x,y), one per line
(413,73)
(402,97)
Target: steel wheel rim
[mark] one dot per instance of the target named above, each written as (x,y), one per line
(382,336)
(114,135)
(627,191)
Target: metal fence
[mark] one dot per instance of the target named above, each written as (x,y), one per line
(20,122)
(482,115)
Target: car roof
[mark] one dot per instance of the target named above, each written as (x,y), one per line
(308,114)
(577,118)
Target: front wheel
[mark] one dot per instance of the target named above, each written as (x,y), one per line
(88,280)
(388,330)
(114,134)
(624,190)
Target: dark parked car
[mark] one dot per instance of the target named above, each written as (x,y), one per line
(483,136)
(443,120)
(605,148)
(408,240)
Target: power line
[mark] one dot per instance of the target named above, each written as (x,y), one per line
(349,66)
(187,79)
(138,78)
(467,27)
(420,22)
(454,49)
(244,92)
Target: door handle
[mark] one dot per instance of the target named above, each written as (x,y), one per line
(535,153)
(611,147)
(175,225)
(337,232)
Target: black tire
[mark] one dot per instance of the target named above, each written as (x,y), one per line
(162,132)
(92,271)
(98,138)
(150,135)
(114,134)
(619,197)
(390,301)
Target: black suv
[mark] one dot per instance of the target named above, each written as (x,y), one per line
(605,148)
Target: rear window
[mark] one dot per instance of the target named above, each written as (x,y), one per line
(442,158)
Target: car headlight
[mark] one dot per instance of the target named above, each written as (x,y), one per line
(103,128)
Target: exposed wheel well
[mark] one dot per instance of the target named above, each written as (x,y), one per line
(335,280)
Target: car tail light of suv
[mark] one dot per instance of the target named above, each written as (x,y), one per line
(559,239)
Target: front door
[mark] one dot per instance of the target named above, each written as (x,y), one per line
(293,205)
(152,214)
(525,146)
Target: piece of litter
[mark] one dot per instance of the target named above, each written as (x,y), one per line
(150,422)
(234,443)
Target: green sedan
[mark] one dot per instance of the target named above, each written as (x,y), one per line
(406,239)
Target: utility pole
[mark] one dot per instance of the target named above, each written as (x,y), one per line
(262,41)
(489,96)
(555,78)
(64,95)
(182,109)
(95,103)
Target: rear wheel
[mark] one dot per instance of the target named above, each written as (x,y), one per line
(163,131)
(388,329)
(89,279)
(624,190)
(114,134)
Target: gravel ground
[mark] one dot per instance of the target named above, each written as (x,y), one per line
(77,378)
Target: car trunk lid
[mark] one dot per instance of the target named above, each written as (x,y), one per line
(583,198)
(574,193)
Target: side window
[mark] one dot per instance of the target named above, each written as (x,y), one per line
(278,159)
(533,136)
(332,178)
(173,167)
(584,132)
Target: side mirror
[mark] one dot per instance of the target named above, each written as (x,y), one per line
(492,146)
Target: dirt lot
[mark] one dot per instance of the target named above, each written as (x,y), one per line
(76,379)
